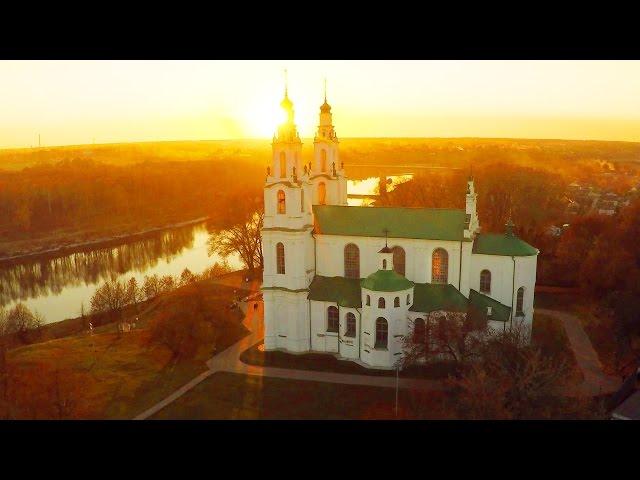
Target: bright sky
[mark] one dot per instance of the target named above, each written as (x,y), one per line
(76,102)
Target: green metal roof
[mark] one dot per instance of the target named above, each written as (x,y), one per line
(478,304)
(430,297)
(401,222)
(343,291)
(386,281)
(502,244)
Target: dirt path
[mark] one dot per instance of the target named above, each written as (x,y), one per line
(595,381)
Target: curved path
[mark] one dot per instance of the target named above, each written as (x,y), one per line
(229,361)
(595,382)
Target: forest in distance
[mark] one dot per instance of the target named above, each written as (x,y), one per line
(68,195)
(60,195)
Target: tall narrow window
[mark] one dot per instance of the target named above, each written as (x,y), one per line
(440,266)
(398,260)
(485,281)
(381,302)
(280,258)
(282,202)
(368,299)
(384,263)
(520,301)
(396,302)
(333,320)
(351,261)
(408,299)
(419,331)
(323,160)
(382,333)
(302,199)
(322,193)
(283,165)
(351,325)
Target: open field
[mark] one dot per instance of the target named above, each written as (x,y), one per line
(111,375)
(226,396)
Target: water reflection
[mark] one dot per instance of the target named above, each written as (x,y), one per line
(56,286)
(364,192)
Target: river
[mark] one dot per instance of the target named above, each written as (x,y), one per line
(56,287)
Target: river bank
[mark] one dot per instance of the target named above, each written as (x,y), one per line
(59,245)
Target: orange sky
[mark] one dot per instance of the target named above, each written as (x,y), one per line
(75,102)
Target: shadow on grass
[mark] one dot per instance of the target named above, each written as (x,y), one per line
(328,363)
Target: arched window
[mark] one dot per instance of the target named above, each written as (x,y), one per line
(368,299)
(384,263)
(322,193)
(282,203)
(381,302)
(439,266)
(351,261)
(408,299)
(520,301)
(398,260)
(302,199)
(396,302)
(382,333)
(485,281)
(333,321)
(283,165)
(280,258)
(323,160)
(419,331)
(351,325)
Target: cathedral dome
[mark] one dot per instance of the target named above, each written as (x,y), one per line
(325,107)
(386,281)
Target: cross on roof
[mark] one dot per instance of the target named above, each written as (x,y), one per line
(386,233)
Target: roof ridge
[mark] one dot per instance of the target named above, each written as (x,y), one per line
(389,206)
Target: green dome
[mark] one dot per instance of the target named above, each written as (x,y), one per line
(386,281)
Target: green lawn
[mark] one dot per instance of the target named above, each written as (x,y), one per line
(234,396)
(328,363)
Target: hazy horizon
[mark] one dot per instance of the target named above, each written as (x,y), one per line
(82,102)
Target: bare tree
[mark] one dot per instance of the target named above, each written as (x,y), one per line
(110,297)
(242,238)
(445,336)
(151,287)
(23,322)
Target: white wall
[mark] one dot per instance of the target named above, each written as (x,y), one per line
(330,254)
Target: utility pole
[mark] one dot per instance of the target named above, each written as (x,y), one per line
(397,386)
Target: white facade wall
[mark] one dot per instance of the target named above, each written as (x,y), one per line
(418,254)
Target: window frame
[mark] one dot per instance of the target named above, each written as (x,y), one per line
(520,302)
(351,261)
(280,259)
(396,258)
(350,317)
(483,280)
(331,318)
(442,275)
(282,203)
(378,334)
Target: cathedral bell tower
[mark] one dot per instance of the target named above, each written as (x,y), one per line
(326,171)
(287,244)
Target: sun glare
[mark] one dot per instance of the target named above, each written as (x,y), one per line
(262,119)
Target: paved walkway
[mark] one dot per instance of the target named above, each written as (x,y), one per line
(229,361)
(595,380)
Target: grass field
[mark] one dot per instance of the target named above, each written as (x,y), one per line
(107,375)
(234,396)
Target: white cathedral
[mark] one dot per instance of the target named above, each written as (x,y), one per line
(353,281)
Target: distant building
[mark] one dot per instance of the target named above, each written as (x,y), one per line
(353,281)
(625,403)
